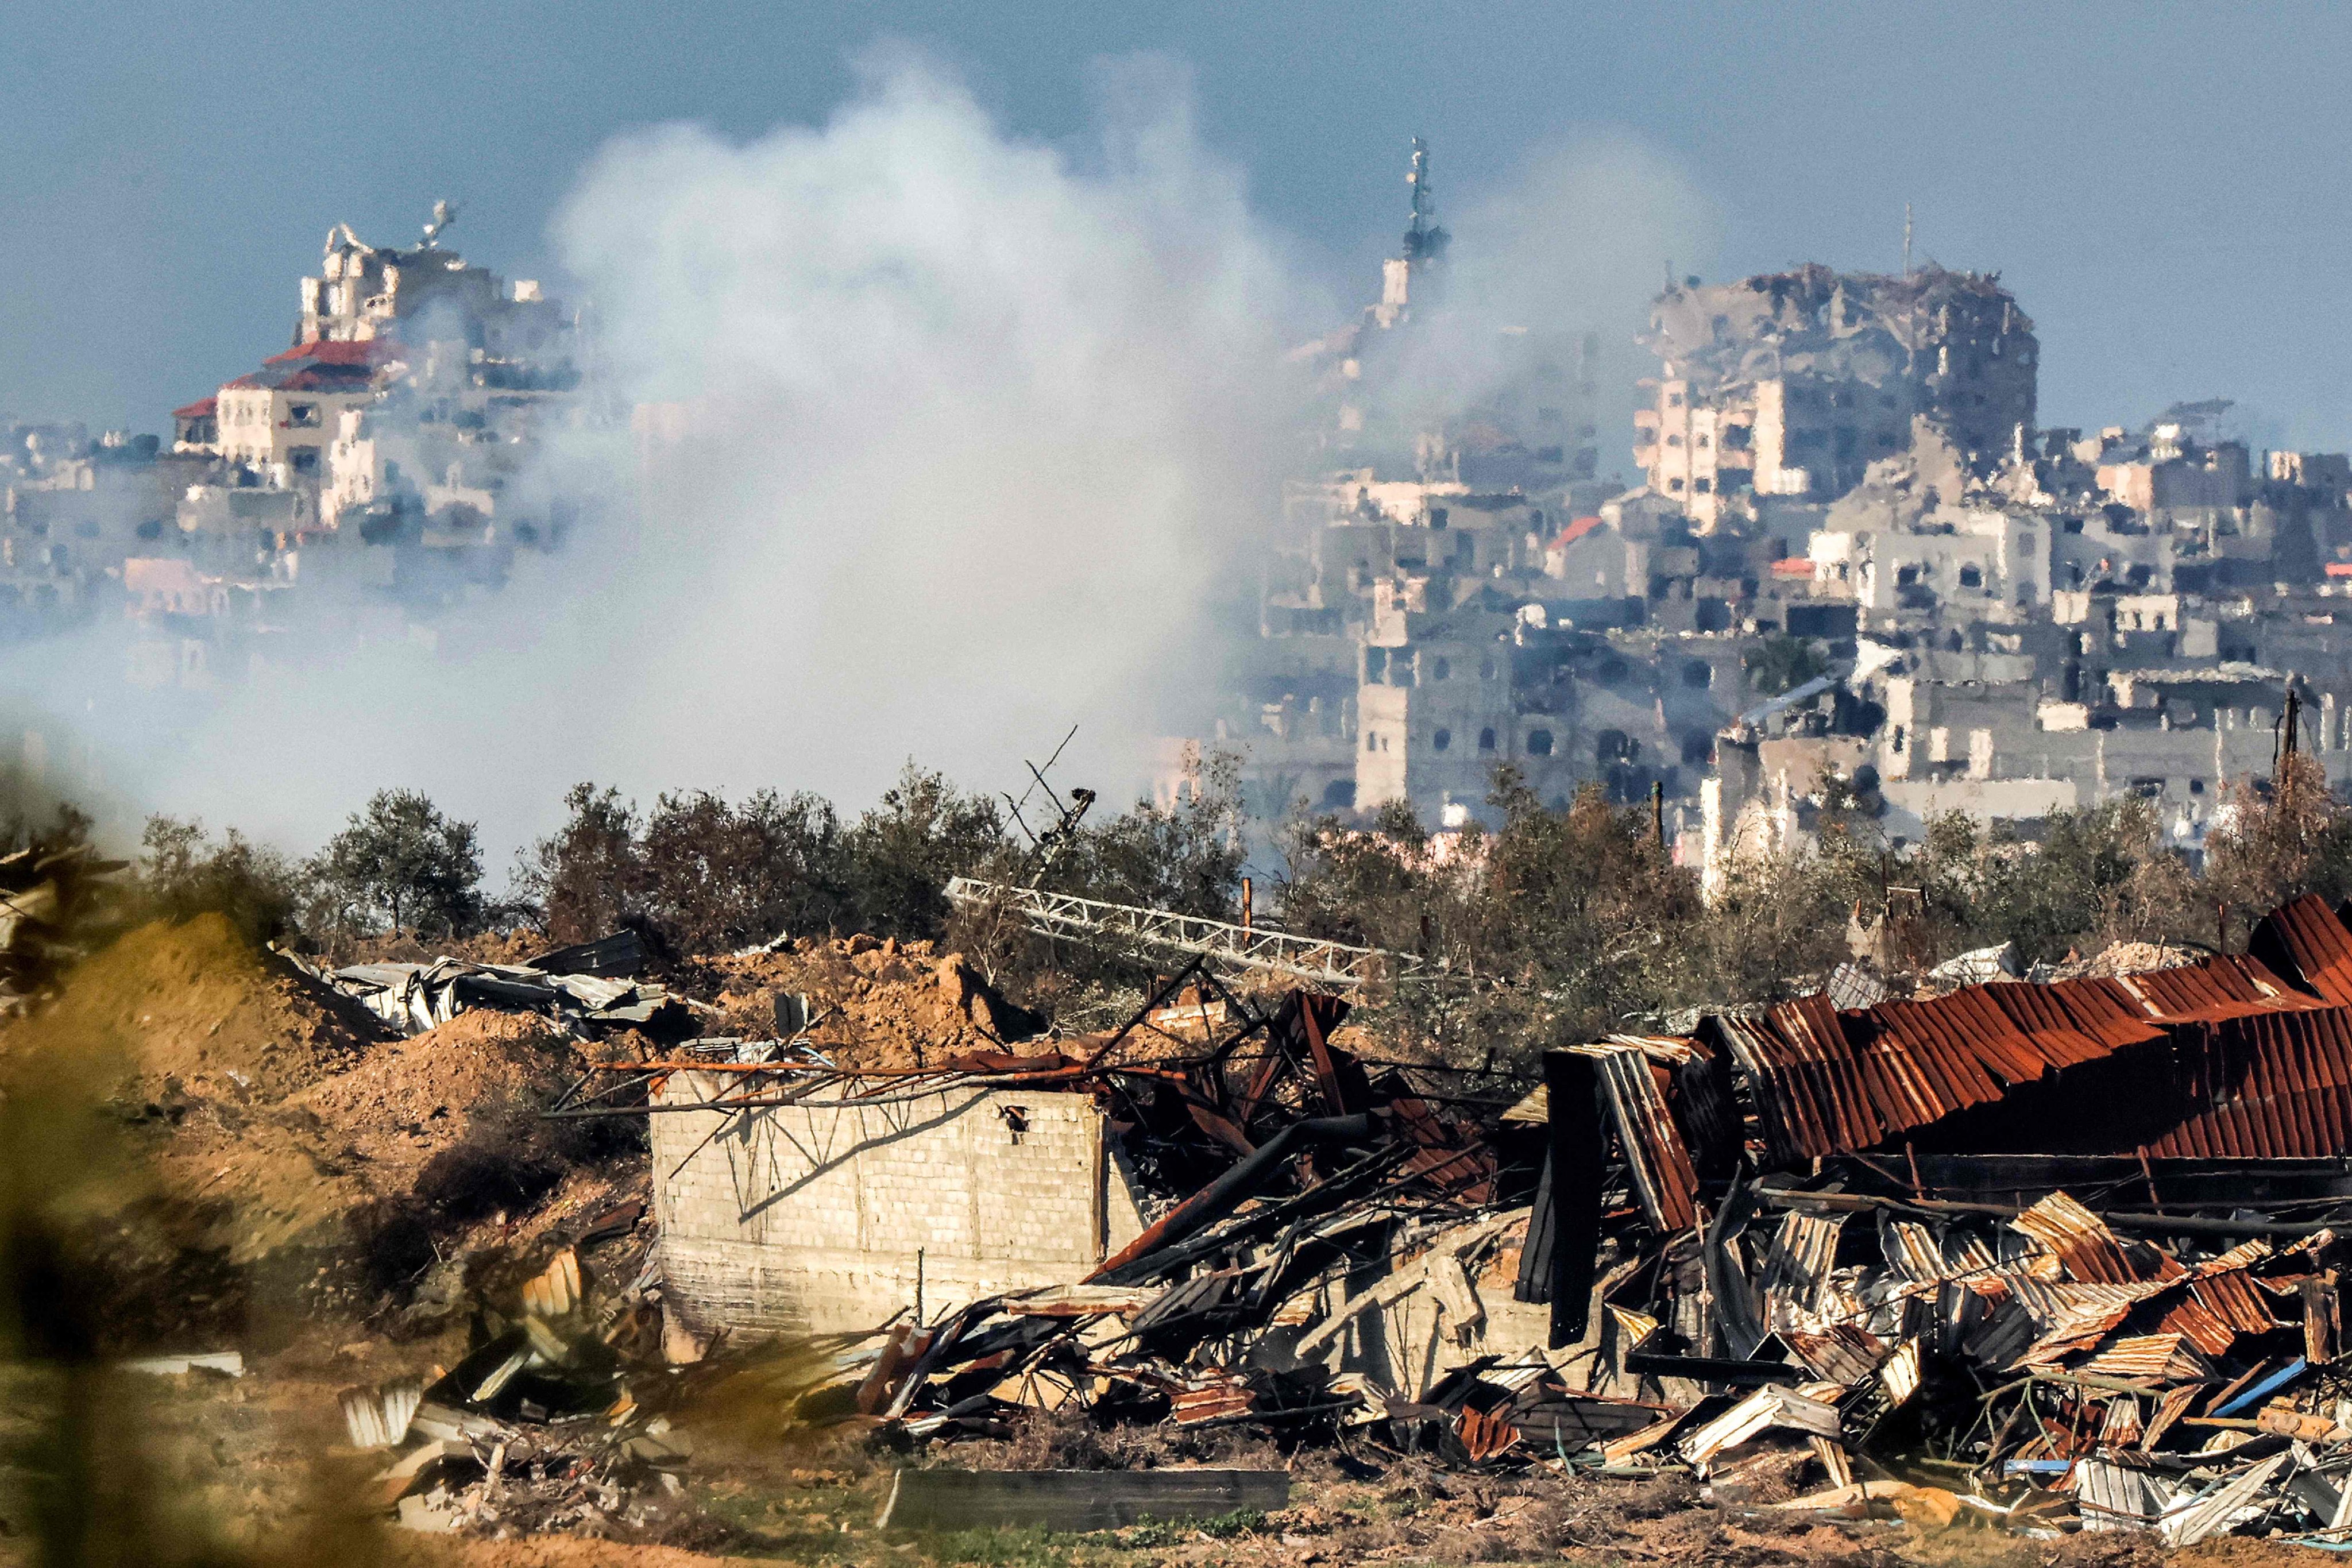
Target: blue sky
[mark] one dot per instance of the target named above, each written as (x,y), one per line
(2162,185)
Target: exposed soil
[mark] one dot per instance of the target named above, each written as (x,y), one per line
(881,1005)
(188,1009)
(283,1136)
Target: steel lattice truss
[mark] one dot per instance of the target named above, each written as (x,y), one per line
(1332,964)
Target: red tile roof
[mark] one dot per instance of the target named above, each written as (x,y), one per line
(369,351)
(202,408)
(1577,530)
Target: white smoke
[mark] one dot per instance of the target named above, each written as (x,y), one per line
(945,440)
(1574,239)
(957,434)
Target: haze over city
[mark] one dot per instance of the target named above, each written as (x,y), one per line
(928,786)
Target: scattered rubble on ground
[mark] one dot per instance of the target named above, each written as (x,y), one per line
(590,989)
(1984,1256)
(2033,1256)
(538,1428)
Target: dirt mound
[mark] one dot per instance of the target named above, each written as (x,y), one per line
(408,1099)
(2119,958)
(277,1130)
(189,1008)
(884,1004)
(295,1174)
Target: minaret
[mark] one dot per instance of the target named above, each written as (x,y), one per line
(1424,242)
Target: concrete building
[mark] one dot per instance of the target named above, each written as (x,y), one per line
(1793,383)
(280,420)
(823,1219)
(428,294)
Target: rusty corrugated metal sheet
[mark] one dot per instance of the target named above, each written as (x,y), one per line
(1806,1084)
(1215,1395)
(2085,1248)
(2103,1009)
(1796,1266)
(2268,1086)
(2067,1024)
(1828,1082)
(1634,1073)
(2191,1318)
(1842,1353)
(2313,942)
(1921,1058)
(2211,990)
(2248,1064)
(2167,1357)
(1484,1434)
(2072,1317)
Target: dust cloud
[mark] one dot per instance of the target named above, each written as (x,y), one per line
(915,438)
(921,439)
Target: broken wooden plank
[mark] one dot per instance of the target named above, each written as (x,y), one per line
(1076,1500)
(1768,1408)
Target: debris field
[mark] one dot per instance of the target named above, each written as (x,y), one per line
(2036,1258)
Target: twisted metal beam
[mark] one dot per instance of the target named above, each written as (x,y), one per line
(1334,963)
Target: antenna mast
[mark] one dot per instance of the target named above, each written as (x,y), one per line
(1424,241)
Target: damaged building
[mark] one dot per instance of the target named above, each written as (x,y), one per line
(1842,478)
(2064,1248)
(369,463)
(1794,383)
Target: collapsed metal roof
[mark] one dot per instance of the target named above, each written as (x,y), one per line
(2237,1055)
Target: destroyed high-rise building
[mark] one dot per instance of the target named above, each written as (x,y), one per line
(1793,383)
(429,293)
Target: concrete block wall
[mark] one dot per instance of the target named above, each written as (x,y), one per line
(818,1219)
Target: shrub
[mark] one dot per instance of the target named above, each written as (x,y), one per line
(401,863)
(182,873)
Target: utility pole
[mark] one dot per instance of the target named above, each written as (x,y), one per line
(2283,770)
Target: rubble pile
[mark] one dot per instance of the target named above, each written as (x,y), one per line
(537,1429)
(590,989)
(871,1002)
(2047,1255)
(1298,1185)
(2038,1370)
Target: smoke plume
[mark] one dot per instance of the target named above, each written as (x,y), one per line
(1573,239)
(908,437)
(921,440)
